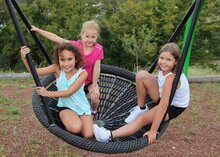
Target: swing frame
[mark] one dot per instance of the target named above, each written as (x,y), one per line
(41,106)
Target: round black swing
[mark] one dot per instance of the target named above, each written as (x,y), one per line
(118,96)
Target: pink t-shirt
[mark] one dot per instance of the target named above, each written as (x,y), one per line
(90,59)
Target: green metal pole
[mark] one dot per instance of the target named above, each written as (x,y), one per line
(186,65)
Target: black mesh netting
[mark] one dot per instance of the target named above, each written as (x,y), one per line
(118,96)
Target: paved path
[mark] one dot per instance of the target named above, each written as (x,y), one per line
(198,79)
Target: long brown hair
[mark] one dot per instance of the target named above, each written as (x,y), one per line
(73,49)
(175,51)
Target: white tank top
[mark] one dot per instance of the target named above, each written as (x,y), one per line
(182,94)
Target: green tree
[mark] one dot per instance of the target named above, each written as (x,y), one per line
(63,17)
(140,45)
(132,31)
(206,45)
(131,18)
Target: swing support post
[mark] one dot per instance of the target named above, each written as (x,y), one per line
(29,59)
(186,65)
(184,53)
(37,40)
(186,47)
(175,33)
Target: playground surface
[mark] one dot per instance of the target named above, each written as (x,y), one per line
(195,133)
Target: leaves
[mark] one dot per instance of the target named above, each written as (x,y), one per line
(132,31)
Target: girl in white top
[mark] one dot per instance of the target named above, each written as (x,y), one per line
(181,98)
(159,90)
(73,106)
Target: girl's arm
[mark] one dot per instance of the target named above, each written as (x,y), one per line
(96,73)
(70,91)
(40,71)
(161,110)
(51,36)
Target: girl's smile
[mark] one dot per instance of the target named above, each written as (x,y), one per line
(67,61)
(166,62)
(89,37)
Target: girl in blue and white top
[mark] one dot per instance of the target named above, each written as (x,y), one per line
(159,90)
(74,108)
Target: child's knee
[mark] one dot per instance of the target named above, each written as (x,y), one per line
(75,129)
(87,134)
(141,75)
(140,120)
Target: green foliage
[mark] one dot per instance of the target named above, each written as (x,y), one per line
(134,24)
(132,31)
(206,45)
(140,45)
